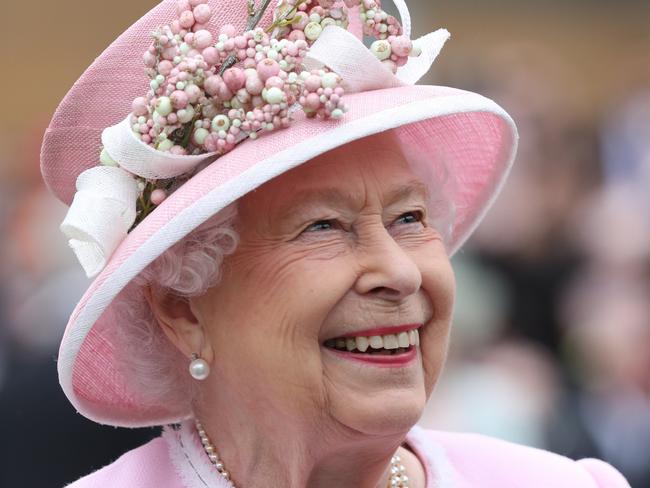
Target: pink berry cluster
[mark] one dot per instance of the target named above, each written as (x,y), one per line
(194,106)
(309,18)
(321,94)
(394,51)
(376,22)
(210,91)
(312,16)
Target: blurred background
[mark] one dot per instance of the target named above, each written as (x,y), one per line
(551,339)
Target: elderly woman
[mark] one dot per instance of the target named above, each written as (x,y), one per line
(271,228)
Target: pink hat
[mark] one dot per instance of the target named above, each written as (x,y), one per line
(474,137)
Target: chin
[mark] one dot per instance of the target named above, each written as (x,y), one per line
(393,412)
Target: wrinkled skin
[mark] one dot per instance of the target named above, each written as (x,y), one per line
(340,243)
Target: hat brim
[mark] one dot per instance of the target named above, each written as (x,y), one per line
(474,137)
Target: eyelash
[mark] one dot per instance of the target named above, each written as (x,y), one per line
(417,214)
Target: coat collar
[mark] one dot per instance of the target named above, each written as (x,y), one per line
(196,471)
(192,465)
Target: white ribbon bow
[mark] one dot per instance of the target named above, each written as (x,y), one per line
(141,159)
(100,216)
(104,207)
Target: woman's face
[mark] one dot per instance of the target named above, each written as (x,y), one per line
(336,247)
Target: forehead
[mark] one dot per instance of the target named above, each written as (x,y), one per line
(374,161)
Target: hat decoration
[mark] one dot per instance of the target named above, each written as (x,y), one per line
(211,91)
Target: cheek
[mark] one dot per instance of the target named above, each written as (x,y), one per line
(439,285)
(268,308)
(439,281)
(289,291)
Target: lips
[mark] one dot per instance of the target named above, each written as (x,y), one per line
(395,358)
(387,343)
(394,345)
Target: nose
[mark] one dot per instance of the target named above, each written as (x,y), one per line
(388,271)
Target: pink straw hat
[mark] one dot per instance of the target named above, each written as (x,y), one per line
(474,137)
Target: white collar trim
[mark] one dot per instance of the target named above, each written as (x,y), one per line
(188,457)
(439,471)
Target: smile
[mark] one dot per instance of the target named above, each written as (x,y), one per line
(388,349)
(376,344)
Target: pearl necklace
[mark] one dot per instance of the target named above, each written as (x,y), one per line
(212,452)
(398,478)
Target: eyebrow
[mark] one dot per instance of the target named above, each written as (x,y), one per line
(402,192)
(335,195)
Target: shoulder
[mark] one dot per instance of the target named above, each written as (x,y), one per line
(147,466)
(480,460)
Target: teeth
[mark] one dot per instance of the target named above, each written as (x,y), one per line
(390,341)
(376,342)
(362,343)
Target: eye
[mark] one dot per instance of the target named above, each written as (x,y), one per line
(410,217)
(321,225)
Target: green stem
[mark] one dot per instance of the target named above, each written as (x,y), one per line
(188,128)
(144,203)
(287,19)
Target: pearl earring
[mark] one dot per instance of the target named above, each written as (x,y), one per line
(199,368)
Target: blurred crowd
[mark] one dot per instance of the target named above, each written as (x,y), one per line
(551,338)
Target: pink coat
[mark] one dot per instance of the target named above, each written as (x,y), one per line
(458,460)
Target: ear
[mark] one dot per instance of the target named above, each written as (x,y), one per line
(180,321)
